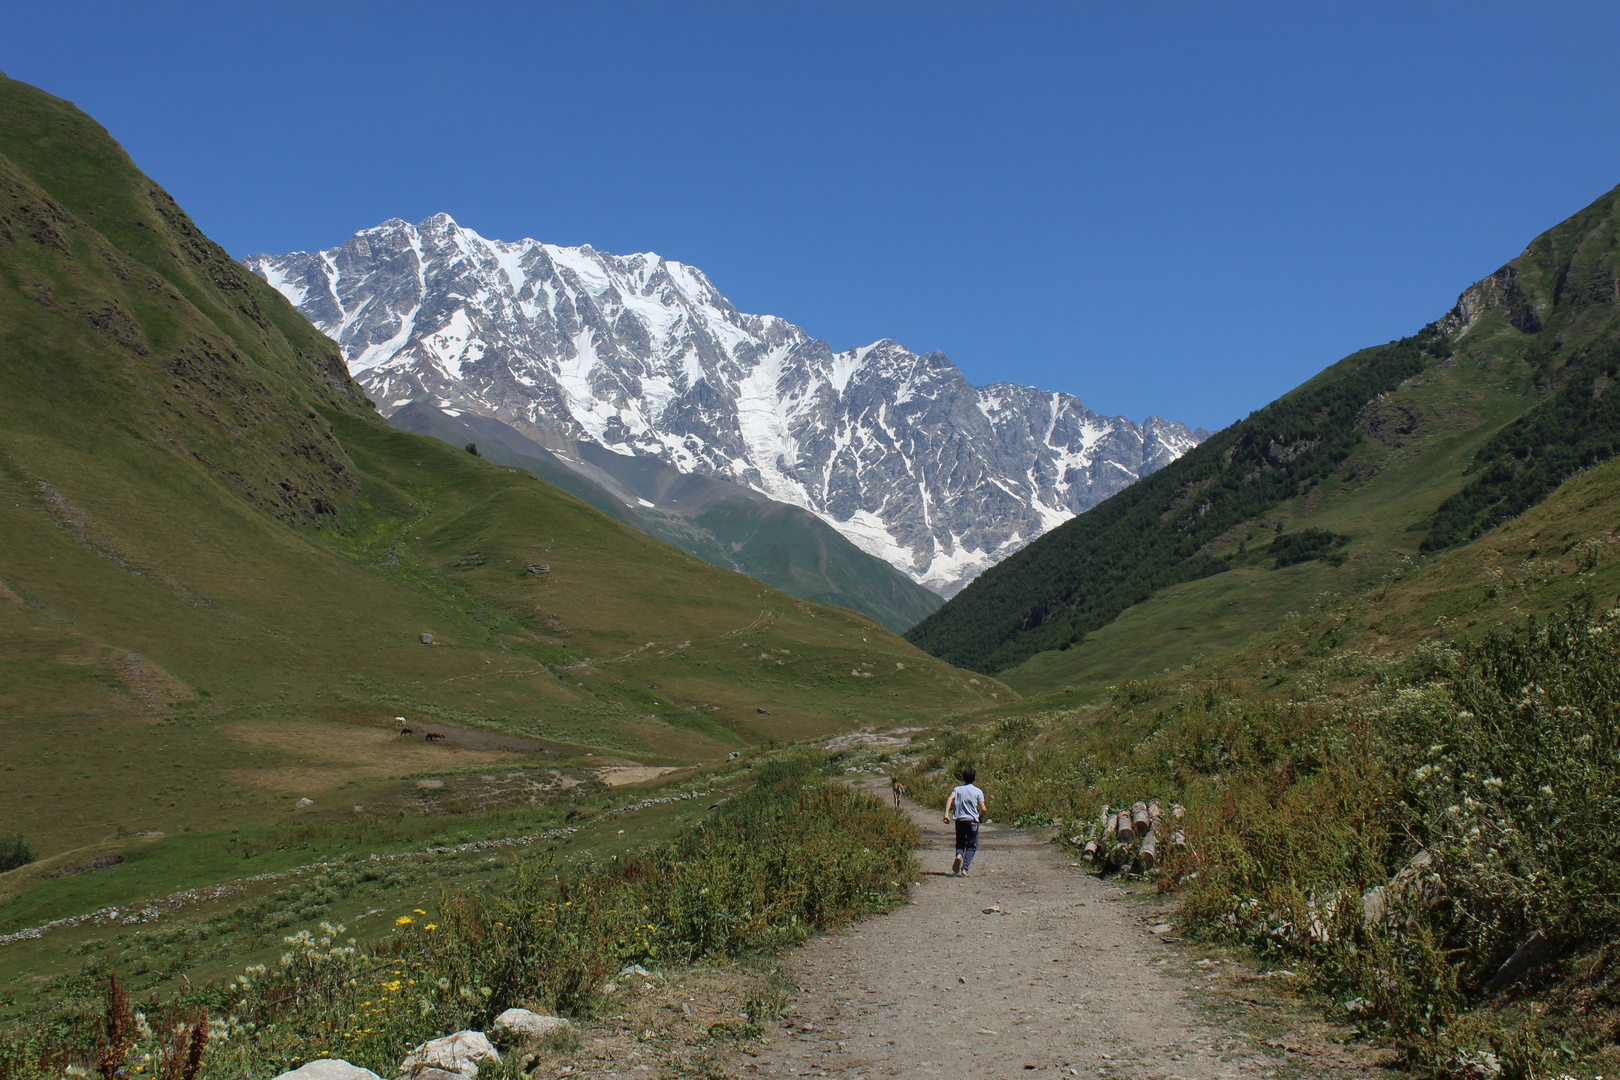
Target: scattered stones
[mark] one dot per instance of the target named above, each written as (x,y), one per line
(1163,928)
(100,862)
(427,639)
(329,1069)
(301,803)
(521,1025)
(457,1054)
(430,783)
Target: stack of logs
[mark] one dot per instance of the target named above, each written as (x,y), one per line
(1130,837)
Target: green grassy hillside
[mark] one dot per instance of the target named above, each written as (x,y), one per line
(721,523)
(1393,453)
(219,561)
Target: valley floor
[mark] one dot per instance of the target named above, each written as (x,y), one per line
(1066,979)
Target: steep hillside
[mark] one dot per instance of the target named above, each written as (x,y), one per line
(718,521)
(219,561)
(1396,450)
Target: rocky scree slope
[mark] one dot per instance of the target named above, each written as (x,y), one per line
(645,357)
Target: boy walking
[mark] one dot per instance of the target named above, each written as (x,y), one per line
(966,807)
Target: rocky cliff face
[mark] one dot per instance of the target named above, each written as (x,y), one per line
(644,356)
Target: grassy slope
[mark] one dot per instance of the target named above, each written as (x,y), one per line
(1559,552)
(784,546)
(1381,498)
(190,631)
(1417,448)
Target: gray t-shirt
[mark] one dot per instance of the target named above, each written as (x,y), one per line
(966,807)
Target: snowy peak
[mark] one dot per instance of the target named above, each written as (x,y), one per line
(643,355)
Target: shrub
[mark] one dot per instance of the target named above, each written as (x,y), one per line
(15,851)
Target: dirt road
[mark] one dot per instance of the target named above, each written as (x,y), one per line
(1067,979)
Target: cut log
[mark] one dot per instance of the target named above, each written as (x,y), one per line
(1089,852)
(1150,850)
(1155,811)
(1120,855)
(1123,829)
(1140,821)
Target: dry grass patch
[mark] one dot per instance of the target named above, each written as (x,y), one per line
(316,756)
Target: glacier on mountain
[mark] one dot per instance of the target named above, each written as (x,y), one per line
(644,356)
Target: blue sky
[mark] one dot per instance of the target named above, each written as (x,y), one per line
(1181,209)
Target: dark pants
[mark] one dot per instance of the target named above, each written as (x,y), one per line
(967,840)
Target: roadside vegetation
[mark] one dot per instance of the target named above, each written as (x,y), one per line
(1397,829)
(791,854)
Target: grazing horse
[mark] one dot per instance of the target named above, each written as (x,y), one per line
(433,736)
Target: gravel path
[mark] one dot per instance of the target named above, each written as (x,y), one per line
(1067,979)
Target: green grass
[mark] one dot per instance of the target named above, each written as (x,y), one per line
(789,854)
(1381,498)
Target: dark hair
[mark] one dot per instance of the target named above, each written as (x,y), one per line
(969,774)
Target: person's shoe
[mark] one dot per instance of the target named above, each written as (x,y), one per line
(956,866)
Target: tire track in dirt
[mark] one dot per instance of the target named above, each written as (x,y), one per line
(1066,981)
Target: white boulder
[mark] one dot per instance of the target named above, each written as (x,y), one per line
(458,1053)
(521,1025)
(329,1069)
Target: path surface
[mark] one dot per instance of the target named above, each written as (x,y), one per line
(1070,981)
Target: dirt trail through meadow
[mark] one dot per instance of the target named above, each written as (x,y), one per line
(1068,981)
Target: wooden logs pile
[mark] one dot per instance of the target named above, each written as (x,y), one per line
(1130,837)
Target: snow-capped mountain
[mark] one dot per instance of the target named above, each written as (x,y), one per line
(644,356)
